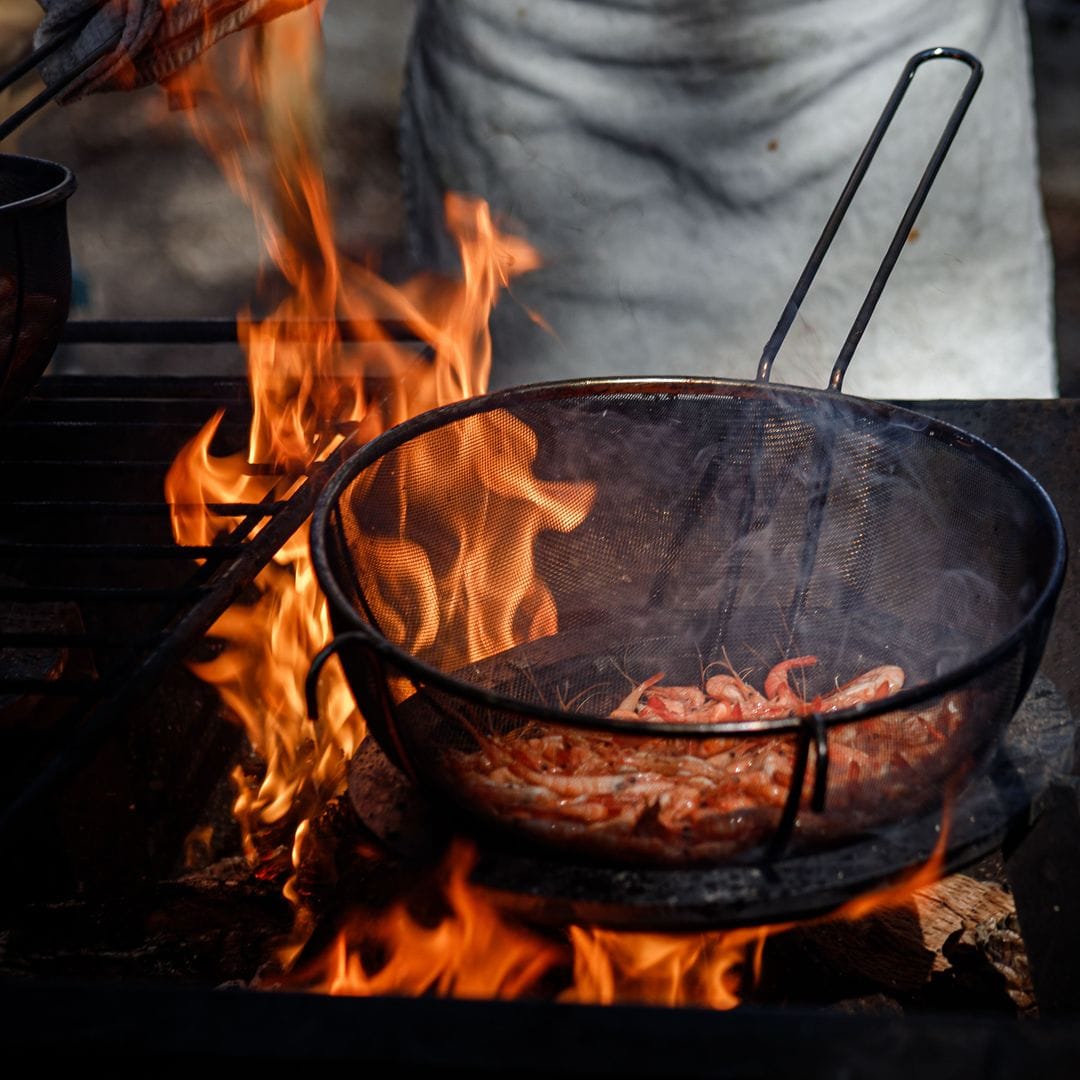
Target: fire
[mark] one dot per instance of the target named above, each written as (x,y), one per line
(488,597)
(471,951)
(307,388)
(664,969)
(310,389)
(474,950)
(900,892)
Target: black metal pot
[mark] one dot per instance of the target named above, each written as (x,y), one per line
(35,269)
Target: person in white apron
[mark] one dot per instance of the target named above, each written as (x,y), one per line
(674,162)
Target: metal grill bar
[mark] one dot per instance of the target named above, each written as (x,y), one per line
(134,466)
(44,640)
(69,688)
(99,521)
(224,331)
(121,551)
(134,509)
(131,595)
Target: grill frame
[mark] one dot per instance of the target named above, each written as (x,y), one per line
(157,1020)
(113,412)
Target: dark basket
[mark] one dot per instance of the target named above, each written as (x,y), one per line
(35,269)
(674,524)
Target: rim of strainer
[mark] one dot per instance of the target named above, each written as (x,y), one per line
(422,674)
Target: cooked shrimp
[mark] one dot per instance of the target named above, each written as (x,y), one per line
(669,800)
(777,689)
(876,683)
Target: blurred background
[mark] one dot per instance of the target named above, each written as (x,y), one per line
(156,232)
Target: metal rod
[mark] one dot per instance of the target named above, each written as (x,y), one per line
(133,466)
(70,688)
(903,230)
(194,621)
(42,52)
(225,331)
(177,390)
(111,466)
(43,639)
(779,839)
(19,117)
(110,423)
(28,550)
(27,594)
(802,286)
(821,765)
(135,509)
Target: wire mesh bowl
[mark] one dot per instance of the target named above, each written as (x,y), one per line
(505,573)
(35,269)
(689,621)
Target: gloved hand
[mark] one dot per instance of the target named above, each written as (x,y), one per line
(156,38)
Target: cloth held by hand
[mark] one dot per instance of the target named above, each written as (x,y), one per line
(154,38)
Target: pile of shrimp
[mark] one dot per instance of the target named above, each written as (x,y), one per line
(705,799)
(728,697)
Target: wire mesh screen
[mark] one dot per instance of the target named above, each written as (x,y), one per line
(559,547)
(35,269)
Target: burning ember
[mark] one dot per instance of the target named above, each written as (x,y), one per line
(311,391)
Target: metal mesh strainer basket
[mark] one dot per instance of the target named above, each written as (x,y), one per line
(501,572)
(673,525)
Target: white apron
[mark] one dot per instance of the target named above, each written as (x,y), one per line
(675,160)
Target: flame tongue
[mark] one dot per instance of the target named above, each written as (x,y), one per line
(301,402)
(485,596)
(473,950)
(468,951)
(308,388)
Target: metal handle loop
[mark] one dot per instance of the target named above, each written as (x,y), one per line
(311,683)
(377,709)
(812,730)
(862,319)
(311,697)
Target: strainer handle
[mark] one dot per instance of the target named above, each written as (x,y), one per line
(798,294)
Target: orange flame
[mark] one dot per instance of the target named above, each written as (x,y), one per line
(470,952)
(488,597)
(706,969)
(901,891)
(474,950)
(308,387)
